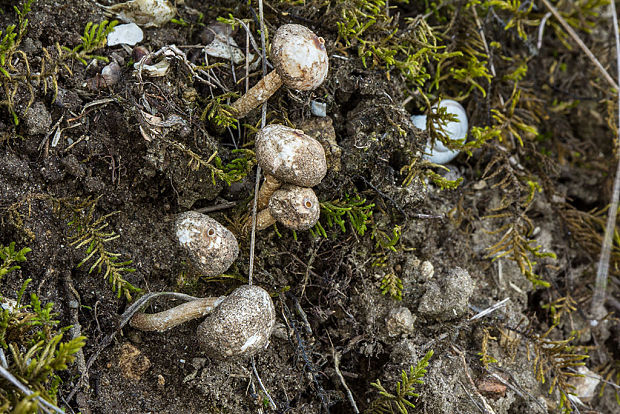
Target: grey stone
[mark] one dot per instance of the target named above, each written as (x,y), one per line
(37,119)
(447,296)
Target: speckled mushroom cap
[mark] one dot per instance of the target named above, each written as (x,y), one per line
(290,156)
(240,326)
(299,57)
(211,247)
(295,207)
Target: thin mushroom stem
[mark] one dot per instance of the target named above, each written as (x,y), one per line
(270,185)
(258,94)
(162,321)
(264,219)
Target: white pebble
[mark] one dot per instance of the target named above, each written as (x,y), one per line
(318,108)
(128,34)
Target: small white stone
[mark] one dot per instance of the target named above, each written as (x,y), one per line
(128,34)
(427,270)
(318,108)
(399,321)
(585,387)
(225,48)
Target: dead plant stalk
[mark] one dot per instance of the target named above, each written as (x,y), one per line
(600,288)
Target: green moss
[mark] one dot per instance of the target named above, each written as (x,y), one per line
(10,256)
(94,38)
(352,209)
(398,401)
(32,343)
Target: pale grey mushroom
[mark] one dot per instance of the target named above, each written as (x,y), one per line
(300,62)
(287,155)
(211,247)
(295,207)
(240,326)
(237,325)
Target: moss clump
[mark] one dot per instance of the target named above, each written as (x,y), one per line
(32,349)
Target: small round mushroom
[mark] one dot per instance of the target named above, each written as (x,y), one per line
(289,156)
(240,326)
(295,207)
(237,325)
(300,62)
(211,247)
(440,154)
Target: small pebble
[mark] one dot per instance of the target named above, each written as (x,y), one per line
(585,387)
(38,120)
(138,53)
(426,270)
(111,74)
(132,363)
(399,321)
(318,108)
(128,34)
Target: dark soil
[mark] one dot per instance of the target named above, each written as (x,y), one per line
(326,290)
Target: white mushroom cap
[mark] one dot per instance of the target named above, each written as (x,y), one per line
(296,207)
(299,57)
(240,326)
(211,247)
(440,154)
(290,156)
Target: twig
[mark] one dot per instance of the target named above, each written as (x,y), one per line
(541,29)
(301,348)
(76,331)
(262,387)
(3,362)
(336,356)
(603,264)
(487,407)
(489,310)
(263,122)
(580,43)
(484,41)
(216,207)
(46,406)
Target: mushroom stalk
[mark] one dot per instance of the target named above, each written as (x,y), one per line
(270,185)
(258,94)
(162,321)
(264,219)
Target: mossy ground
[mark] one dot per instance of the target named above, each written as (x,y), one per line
(327,291)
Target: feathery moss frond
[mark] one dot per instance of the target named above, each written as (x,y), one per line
(404,390)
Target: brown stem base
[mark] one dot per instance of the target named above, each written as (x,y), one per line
(170,318)
(269,187)
(264,219)
(258,94)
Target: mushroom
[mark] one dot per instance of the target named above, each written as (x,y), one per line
(239,324)
(300,62)
(440,154)
(295,207)
(289,156)
(211,247)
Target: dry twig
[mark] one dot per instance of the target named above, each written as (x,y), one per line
(262,124)
(580,43)
(603,264)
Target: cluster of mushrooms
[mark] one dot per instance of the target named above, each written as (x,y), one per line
(240,324)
